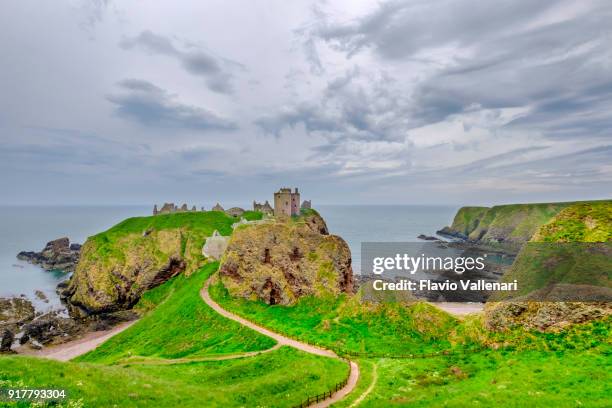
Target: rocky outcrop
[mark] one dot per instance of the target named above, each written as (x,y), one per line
(563,273)
(6,340)
(542,316)
(51,328)
(505,227)
(103,285)
(58,254)
(282,261)
(15,311)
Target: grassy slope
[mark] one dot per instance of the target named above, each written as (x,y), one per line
(514,223)
(534,379)
(345,324)
(281,378)
(181,326)
(467,218)
(195,227)
(584,222)
(572,248)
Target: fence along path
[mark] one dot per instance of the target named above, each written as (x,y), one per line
(323,400)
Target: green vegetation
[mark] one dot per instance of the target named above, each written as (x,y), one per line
(345,324)
(467,219)
(120,264)
(573,248)
(281,378)
(181,325)
(583,222)
(509,226)
(508,379)
(539,265)
(194,228)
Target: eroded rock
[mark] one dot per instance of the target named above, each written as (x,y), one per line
(58,254)
(282,261)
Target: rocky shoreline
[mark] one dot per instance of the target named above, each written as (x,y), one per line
(58,254)
(22,328)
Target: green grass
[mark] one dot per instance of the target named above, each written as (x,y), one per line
(495,379)
(345,324)
(584,222)
(195,226)
(181,325)
(509,225)
(281,378)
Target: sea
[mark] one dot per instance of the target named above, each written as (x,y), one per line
(29,228)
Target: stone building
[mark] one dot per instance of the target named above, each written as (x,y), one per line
(169,208)
(286,202)
(306,204)
(217,207)
(235,212)
(265,208)
(215,246)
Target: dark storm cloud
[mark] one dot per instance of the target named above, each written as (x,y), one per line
(542,55)
(216,71)
(150,105)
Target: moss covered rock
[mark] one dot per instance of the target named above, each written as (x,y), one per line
(118,265)
(507,226)
(282,260)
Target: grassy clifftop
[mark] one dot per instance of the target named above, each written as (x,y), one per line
(509,226)
(581,222)
(119,264)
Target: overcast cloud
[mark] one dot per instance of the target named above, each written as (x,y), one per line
(460,102)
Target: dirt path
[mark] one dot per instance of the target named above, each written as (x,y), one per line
(169,361)
(286,341)
(72,349)
(460,308)
(369,389)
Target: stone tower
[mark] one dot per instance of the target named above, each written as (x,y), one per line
(286,202)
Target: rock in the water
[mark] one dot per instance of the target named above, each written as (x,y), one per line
(58,254)
(427,238)
(41,295)
(282,261)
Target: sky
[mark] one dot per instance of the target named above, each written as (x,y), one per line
(354,102)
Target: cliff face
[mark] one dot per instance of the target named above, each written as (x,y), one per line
(505,226)
(118,265)
(282,261)
(564,272)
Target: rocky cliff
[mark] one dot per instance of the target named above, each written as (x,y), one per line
(118,265)
(505,226)
(564,272)
(281,261)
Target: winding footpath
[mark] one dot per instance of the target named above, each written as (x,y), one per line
(71,349)
(286,341)
(75,348)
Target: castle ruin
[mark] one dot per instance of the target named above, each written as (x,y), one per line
(286,202)
(265,208)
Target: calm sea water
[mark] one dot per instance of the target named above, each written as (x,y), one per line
(30,228)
